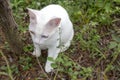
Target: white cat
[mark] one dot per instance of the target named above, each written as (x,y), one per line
(50,29)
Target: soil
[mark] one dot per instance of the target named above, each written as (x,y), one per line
(78,55)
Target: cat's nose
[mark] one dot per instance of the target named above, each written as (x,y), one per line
(36,41)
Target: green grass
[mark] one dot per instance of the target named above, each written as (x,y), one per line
(97,38)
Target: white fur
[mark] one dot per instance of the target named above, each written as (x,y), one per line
(59,31)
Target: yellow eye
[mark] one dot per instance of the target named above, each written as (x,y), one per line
(32,32)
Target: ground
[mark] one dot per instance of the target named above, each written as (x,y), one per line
(93,55)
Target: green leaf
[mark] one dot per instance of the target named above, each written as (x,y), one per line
(3,68)
(54,65)
(69,63)
(28,48)
(119,46)
(108,7)
(116,38)
(50,59)
(112,45)
(117,1)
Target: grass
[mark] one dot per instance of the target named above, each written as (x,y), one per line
(95,50)
(9,72)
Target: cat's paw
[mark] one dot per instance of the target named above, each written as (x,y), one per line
(36,53)
(48,68)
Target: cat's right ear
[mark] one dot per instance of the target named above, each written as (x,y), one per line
(32,15)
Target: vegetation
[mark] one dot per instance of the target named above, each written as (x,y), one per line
(93,55)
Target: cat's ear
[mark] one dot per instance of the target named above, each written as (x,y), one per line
(54,22)
(33,15)
(51,25)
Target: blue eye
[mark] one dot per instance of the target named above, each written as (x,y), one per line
(44,36)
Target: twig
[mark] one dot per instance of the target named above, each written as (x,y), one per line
(8,67)
(56,74)
(116,20)
(3,73)
(42,68)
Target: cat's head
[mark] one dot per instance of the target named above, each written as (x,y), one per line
(39,29)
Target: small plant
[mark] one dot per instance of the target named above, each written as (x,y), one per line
(28,48)
(64,64)
(86,72)
(115,46)
(25,62)
(7,69)
(115,43)
(7,46)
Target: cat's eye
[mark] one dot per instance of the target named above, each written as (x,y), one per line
(44,36)
(32,32)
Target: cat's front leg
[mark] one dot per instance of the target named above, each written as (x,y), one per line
(37,50)
(52,53)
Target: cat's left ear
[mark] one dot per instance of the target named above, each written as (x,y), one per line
(51,25)
(54,22)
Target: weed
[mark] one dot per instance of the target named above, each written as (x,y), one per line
(89,17)
(64,64)
(7,68)
(28,48)
(25,63)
